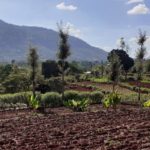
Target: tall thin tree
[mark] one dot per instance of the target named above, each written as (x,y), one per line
(122,43)
(102,68)
(114,69)
(63,53)
(33,63)
(140,59)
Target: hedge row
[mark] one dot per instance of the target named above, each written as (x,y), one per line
(53,99)
(50,99)
(135,88)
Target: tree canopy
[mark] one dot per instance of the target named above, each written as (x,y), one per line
(125,60)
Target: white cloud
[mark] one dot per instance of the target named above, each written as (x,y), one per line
(134,46)
(63,6)
(106,48)
(118,43)
(134,1)
(139,9)
(72,30)
(133,40)
(148,41)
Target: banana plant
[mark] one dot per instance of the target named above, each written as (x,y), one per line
(147,103)
(77,105)
(111,100)
(33,102)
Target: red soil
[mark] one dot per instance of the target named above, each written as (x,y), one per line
(126,129)
(144,85)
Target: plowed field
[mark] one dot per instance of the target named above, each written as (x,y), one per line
(62,129)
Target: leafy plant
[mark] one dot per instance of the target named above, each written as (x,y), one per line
(77,105)
(112,100)
(34,102)
(147,103)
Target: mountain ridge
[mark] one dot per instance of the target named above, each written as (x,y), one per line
(15,41)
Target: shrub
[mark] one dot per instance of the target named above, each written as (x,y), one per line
(83,95)
(96,97)
(112,100)
(85,77)
(69,95)
(51,99)
(15,98)
(70,79)
(53,84)
(77,105)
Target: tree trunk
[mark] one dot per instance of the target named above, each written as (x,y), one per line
(139,94)
(62,81)
(33,81)
(113,87)
(33,88)
(102,72)
(126,75)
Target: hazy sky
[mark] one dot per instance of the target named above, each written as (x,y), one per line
(99,22)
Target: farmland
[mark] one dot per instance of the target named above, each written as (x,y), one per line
(91,86)
(64,129)
(67,104)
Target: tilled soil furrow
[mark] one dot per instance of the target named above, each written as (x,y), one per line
(121,130)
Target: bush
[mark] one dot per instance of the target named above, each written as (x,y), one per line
(84,95)
(69,95)
(54,84)
(51,99)
(96,97)
(70,79)
(85,77)
(20,100)
(15,98)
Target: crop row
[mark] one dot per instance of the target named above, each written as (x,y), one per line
(50,99)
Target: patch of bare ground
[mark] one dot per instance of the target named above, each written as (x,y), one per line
(63,129)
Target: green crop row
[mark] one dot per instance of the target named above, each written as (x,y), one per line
(50,99)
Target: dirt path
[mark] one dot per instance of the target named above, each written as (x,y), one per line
(108,87)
